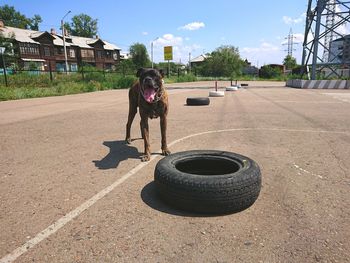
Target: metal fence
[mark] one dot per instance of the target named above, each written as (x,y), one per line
(12,77)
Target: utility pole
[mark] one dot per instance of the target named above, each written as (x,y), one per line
(64,42)
(152,50)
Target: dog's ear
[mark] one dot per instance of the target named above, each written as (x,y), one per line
(139,72)
(161,73)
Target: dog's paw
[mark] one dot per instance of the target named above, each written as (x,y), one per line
(145,158)
(166,152)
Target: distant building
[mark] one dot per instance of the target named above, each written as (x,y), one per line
(46,51)
(197,61)
(248,69)
(124,56)
(340,50)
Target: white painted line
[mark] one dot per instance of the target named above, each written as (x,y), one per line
(87,204)
(70,216)
(306,171)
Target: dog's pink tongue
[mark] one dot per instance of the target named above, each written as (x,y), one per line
(149,95)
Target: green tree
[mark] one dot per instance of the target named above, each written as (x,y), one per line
(290,62)
(82,25)
(13,18)
(9,52)
(139,55)
(225,61)
(269,72)
(127,67)
(34,22)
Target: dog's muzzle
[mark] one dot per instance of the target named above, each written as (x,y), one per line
(149,91)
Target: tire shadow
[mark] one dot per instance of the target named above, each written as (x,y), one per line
(118,151)
(149,197)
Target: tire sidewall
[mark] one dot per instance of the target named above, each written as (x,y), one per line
(247,166)
(198,101)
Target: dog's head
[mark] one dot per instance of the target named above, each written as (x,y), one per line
(151,83)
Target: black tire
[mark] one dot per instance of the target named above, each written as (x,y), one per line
(198,101)
(211,182)
(244,85)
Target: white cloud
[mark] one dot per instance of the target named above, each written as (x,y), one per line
(180,50)
(168,40)
(264,47)
(145,33)
(289,20)
(268,53)
(298,38)
(193,26)
(265,53)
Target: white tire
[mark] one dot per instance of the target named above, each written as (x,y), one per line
(233,88)
(216,93)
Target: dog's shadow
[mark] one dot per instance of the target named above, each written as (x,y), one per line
(118,151)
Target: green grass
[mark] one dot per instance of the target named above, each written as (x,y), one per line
(24,85)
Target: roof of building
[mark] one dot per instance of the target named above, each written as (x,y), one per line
(200,58)
(21,35)
(30,36)
(341,38)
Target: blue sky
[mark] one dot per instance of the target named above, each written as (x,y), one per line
(258,28)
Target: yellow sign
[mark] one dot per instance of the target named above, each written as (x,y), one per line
(168,53)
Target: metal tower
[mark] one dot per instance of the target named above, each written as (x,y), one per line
(318,31)
(290,43)
(330,20)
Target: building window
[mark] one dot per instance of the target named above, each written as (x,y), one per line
(72,53)
(29,48)
(108,54)
(73,67)
(100,54)
(60,66)
(59,51)
(87,53)
(47,52)
(33,65)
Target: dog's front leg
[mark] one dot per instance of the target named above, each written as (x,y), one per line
(145,135)
(163,128)
(132,113)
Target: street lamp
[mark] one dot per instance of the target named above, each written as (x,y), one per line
(64,42)
(152,49)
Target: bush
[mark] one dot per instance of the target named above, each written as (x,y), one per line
(186,78)
(269,72)
(124,82)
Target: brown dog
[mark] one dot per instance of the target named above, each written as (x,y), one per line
(151,97)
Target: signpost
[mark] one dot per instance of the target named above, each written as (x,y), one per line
(168,55)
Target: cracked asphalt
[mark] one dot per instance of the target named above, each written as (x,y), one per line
(71,190)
